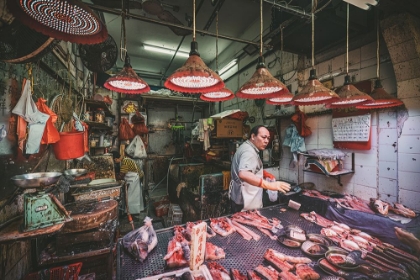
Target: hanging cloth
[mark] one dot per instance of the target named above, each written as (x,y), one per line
(299,119)
(36,120)
(51,134)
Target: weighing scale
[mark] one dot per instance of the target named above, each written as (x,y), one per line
(41,209)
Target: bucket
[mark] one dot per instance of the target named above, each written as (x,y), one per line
(69,146)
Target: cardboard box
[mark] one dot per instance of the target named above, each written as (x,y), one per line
(228,128)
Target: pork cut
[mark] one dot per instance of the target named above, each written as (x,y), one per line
(305,272)
(221,226)
(213,252)
(217,271)
(178,253)
(237,275)
(268,272)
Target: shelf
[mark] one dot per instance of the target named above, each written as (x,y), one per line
(98,125)
(335,174)
(94,104)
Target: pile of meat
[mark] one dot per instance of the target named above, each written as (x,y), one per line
(381,256)
(179,250)
(383,208)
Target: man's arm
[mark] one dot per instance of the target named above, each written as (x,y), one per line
(252,179)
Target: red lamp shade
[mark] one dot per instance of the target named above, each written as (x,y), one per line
(127,81)
(283,98)
(223,94)
(381,99)
(67,20)
(194,76)
(350,96)
(314,93)
(261,85)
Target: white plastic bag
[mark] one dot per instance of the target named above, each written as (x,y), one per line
(136,148)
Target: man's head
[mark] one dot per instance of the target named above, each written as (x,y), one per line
(260,137)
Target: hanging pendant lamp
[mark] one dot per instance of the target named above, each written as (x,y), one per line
(194,76)
(286,96)
(381,99)
(126,81)
(262,84)
(314,92)
(349,95)
(223,94)
(67,20)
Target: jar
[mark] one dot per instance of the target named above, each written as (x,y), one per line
(88,116)
(100,115)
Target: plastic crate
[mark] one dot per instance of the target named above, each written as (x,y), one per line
(65,272)
(161,208)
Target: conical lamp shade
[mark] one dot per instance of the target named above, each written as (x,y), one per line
(314,93)
(223,94)
(381,99)
(350,96)
(281,99)
(194,76)
(261,85)
(67,20)
(127,81)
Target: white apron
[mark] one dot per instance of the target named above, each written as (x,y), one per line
(134,193)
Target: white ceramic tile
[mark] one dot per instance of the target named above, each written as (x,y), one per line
(388,186)
(409,162)
(388,169)
(323,68)
(312,139)
(387,198)
(273,170)
(387,136)
(412,105)
(312,122)
(387,71)
(374,118)
(409,180)
(409,88)
(365,175)
(324,121)
(387,119)
(410,199)
(339,81)
(368,69)
(368,51)
(311,177)
(325,137)
(311,146)
(409,144)
(366,158)
(374,136)
(364,192)
(338,62)
(411,126)
(388,153)
(354,57)
(347,181)
(390,86)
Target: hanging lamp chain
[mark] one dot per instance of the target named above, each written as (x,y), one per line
(193,20)
(217,41)
(261,27)
(281,49)
(313,34)
(123,40)
(347,39)
(378,60)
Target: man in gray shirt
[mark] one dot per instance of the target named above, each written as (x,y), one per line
(246,187)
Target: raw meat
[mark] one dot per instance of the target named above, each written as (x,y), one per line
(321,221)
(221,226)
(277,262)
(255,236)
(217,271)
(141,241)
(253,218)
(268,272)
(178,253)
(239,230)
(237,275)
(268,233)
(287,275)
(402,210)
(305,272)
(213,252)
(283,257)
(379,206)
(252,275)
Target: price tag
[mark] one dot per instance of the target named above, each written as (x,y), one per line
(198,245)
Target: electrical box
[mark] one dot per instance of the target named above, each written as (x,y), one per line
(228,128)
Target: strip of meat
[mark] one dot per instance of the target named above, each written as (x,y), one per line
(268,272)
(221,226)
(253,223)
(305,272)
(321,221)
(404,254)
(288,258)
(402,210)
(255,236)
(394,267)
(244,234)
(391,254)
(308,217)
(268,233)
(237,275)
(252,275)
(287,275)
(217,271)
(331,268)
(277,262)
(254,218)
(214,252)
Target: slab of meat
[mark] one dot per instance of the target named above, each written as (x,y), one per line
(268,272)
(354,203)
(305,272)
(237,275)
(287,275)
(315,193)
(283,257)
(321,221)
(178,253)
(255,236)
(213,252)
(276,261)
(217,271)
(221,226)
(252,275)
(268,233)
(402,210)
(239,230)
(379,206)
(253,218)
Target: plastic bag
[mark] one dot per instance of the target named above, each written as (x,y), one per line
(125,131)
(51,134)
(141,241)
(136,148)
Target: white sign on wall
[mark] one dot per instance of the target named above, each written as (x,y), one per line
(351,128)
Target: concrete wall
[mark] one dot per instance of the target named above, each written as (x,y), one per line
(390,170)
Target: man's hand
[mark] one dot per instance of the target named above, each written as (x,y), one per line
(275,186)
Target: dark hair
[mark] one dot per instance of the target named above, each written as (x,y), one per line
(116,154)
(255,130)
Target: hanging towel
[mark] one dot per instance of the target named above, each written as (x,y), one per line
(51,134)
(36,120)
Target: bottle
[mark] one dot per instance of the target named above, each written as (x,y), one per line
(100,115)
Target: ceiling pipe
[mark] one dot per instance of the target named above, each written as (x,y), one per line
(151,20)
(290,9)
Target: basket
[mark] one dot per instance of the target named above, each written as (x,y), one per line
(65,272)
(174,215)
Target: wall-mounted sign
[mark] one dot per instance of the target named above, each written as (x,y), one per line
(351,128)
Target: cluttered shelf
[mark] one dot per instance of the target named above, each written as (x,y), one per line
(96,104)
(98,125)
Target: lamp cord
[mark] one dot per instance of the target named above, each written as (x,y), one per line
(193,20)
(123,39)
(313,35)
(281,50)
(347,41)
(217,42)
(261,27)
(377,47)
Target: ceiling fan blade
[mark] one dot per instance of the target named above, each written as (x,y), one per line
(116,4)
(169,17)
(152,7)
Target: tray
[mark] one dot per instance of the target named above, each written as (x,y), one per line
(96,194)
(202,271)
(33,180)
